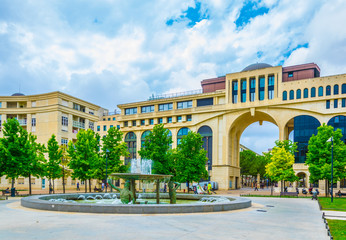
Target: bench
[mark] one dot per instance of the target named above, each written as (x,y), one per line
(293,194)
(4,193)
(97,190)
(342,194)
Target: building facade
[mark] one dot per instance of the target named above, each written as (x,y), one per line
(293,98)
(46,114)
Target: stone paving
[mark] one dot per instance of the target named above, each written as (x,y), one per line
(269,218)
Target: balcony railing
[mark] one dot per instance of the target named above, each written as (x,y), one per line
(172,95)
(78,124)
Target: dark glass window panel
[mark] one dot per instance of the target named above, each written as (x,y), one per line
(299,94)
(313,92)
(335,103)
(328,90)
(291,95)
(328,104)
(343,88)
(320,91)
(336,89)
(284,95)
(306,93)
(207,137)
(205,102)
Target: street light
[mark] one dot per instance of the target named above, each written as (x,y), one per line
(107,151)
(331,190)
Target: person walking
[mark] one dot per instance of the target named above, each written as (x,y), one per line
(209,188)
(78,186)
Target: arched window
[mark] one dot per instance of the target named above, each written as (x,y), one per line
(320,91)
(207,137)
(144,134)
(328,90)
(313,92)
(131,142)
(291,95)
(181,133)
(169,135)
(336,89)
(339,122)
(284,95)
(343,88)
(299,94)
(306,93)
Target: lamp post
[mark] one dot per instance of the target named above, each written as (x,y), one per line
(331,189)
(107,151)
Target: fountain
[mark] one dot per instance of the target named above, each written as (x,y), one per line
(127,200)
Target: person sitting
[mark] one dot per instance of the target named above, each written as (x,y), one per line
(96,189)
(7,190)
(339,193)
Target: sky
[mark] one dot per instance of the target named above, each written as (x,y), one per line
(110,52)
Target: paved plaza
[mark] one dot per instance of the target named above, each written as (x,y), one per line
(268,218)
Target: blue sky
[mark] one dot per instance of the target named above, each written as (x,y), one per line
(113,51)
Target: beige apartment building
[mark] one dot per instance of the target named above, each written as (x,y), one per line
(46,114)
(295,98)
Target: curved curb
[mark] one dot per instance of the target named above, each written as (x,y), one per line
(40,202)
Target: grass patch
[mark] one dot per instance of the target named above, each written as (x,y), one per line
(339,204)
(337,229)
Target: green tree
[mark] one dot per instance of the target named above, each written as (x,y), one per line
(157,148)
(65,160)
(289,146)
(84,153)
(191,159)
(113,148)
(280,167)
(247,160)
(319,156)
(53,168)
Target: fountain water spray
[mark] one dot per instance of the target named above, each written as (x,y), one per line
(141,166)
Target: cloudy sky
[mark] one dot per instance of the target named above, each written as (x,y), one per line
(118,51)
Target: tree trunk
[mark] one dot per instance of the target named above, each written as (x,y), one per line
(12,182)
(326,182)
(89,185)
(63,180)
(282,185)
(50,186)
(272,189)
(188,187)
(53,187)
(86,187)
(29,184)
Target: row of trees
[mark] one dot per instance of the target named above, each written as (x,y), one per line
(85,159)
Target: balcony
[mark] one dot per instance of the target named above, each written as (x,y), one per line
(77,124)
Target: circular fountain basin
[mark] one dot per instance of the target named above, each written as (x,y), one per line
(43,202)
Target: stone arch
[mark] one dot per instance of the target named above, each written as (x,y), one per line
(144,134)
(131,143)
(207,137)
(339,122)
(302,181)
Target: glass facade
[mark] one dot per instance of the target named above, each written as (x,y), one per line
(234,92)
(252,89)
(304,127)
(207,137)
(181,133)
(271,82)
(243,91)
(261,87)
(339,122)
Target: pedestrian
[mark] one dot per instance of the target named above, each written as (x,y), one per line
(256,188)
(165,188)
(209,188)
(78,186)
(103,186)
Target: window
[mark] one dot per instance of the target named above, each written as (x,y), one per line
(252,89)
(151,121)
(126,124)
(179,119)
(185,104)
(328,90)
(131,142)
(343,103)
(306,93)
(64,121)
(144,135)
(91,125)
(98,128)
(328,104)
(343,88)
(130,111)
(114,118)
(205,102)
(165,106)
(134,123)
(181,133)
(189,118)
(64,141)
(111,126)
(78,107)
(320,91)
(290,74)
(169,120)
(104,128)
(235,91)
(91,112)
(243,91)
(160,120)
(299,94)
(336,89)
(261,86)
(33,104)
(147,109)
(142,122)
(335,103)
(284,95)
(118,126)
(271,81)
(0,104)
(109,119)
(313,92)
(33,121)
(291,95)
